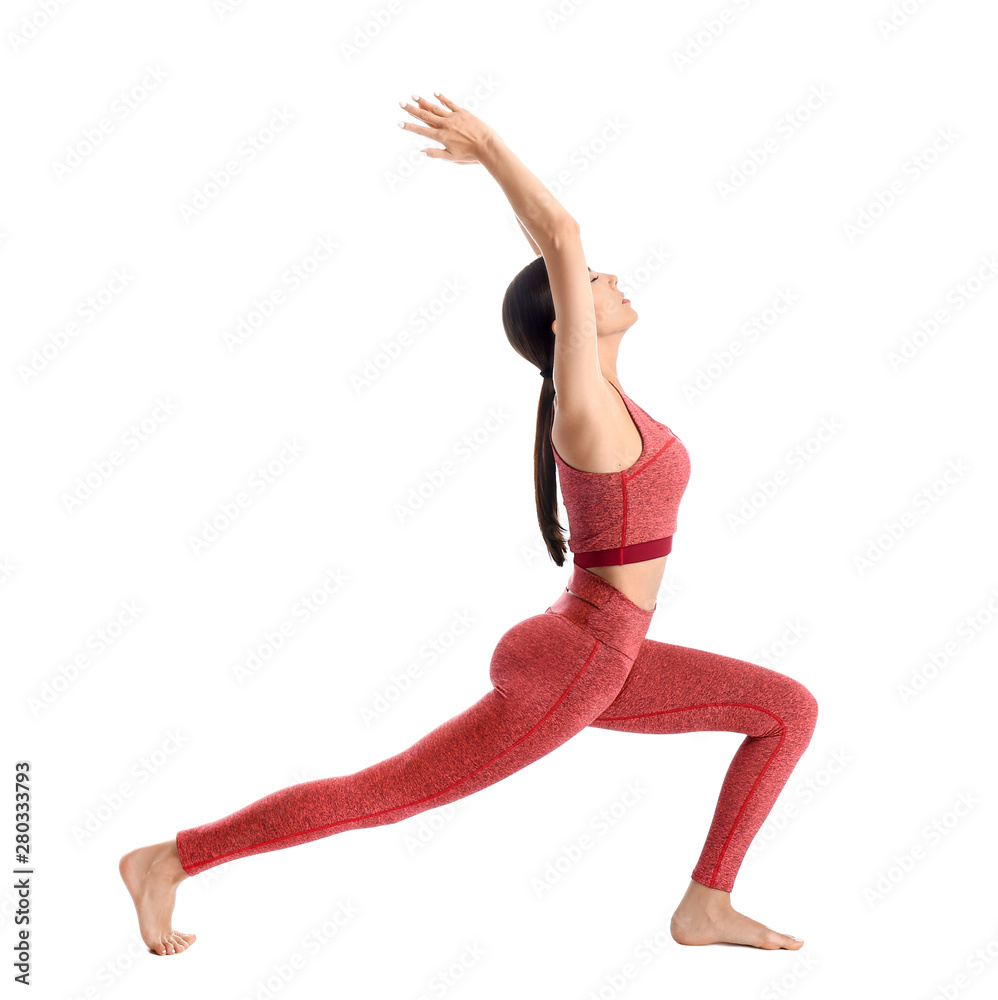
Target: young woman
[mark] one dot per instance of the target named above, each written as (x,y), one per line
(586,661)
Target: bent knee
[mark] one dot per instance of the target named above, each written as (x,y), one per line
(804,706)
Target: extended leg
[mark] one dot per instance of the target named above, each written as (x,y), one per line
(550,680)
(674,689)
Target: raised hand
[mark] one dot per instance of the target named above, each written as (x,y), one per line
(463,135)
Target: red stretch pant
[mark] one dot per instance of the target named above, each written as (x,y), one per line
(585,661)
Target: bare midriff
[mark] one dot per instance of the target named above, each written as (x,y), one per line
(638,581)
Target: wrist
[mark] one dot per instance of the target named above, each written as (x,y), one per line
(491,148)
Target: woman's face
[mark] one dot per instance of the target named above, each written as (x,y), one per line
(613,311)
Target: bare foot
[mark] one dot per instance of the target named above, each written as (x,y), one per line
(706,916)
(151,875)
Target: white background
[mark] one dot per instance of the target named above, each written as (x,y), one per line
(160,710)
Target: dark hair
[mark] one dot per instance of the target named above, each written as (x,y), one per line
(527,315)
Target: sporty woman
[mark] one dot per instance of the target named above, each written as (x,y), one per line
(586,661)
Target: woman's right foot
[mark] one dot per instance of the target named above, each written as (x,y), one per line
(151,875)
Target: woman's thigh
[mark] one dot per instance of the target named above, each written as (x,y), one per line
(677,689)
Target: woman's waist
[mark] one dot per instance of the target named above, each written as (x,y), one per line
(638,581)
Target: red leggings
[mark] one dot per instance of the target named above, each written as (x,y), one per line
(584,662)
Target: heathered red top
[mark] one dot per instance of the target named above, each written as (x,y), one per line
(627,516)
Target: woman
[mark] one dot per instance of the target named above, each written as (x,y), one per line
(586,661)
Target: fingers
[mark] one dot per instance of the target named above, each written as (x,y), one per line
(417,111)
(430,114)
(427,104)
(410,127)
(447,101)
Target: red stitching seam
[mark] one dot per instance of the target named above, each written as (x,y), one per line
(652,459)
(274,840)
(623,489)
(718,704)
(623,523)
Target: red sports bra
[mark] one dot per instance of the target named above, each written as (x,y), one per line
(627,516)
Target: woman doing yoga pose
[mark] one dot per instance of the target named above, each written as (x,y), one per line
(586,661)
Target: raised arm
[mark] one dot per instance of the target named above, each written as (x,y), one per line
(556,235)
(530,239)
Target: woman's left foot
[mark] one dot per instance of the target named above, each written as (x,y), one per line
(706,916)
(151,875)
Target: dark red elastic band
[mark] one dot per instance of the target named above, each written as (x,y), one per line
(637,552)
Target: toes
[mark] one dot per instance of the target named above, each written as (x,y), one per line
(172,944)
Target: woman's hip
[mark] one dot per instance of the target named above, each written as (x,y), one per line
(603,611)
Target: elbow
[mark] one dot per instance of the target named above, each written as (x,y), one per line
(559,235)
